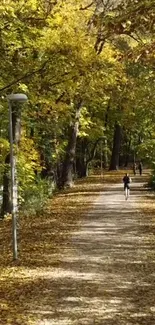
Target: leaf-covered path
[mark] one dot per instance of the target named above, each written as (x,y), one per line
(102,272)
(111,265)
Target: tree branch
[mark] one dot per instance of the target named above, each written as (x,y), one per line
(27,75)
(88,6)
(92,153)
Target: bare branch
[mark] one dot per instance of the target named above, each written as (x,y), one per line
(88,6)
(27,75)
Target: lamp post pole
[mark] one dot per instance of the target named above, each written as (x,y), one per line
(14,200)
(13,186)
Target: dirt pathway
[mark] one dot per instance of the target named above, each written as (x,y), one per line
(80,268)
(106,275)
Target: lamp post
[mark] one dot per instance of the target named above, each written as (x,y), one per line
(14,203)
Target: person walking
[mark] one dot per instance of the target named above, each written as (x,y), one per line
(126,181)
(140,167)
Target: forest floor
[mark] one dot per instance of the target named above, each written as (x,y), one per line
(88,259)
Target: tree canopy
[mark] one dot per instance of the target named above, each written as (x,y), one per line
(87,68)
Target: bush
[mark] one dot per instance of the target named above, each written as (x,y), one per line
(151,182)
(34,197)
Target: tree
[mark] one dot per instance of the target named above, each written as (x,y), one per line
(87,68)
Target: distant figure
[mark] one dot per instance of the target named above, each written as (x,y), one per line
(126,181)
(134,168)
(140,167)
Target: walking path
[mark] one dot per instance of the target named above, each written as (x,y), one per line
(107,273)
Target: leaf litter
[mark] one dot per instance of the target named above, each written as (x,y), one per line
(35,288)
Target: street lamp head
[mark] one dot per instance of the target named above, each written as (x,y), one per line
(17,97)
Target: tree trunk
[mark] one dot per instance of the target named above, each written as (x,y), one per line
(82,168)
(6,203)
(81,160)
(67,172)
(16,124)
(16,127)
(114,164)
(87,151)
(105,149)
(105,154)
(127,154)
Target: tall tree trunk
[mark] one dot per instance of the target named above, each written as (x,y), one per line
(6,204)
(67,172)
(81,160)
(16,124)
(105,154)
(105,149)
(87,154)
(16,127)
(82,168)
(114,164)
(127,156)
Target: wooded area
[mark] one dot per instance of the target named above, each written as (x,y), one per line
(85,253)
(87,68)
